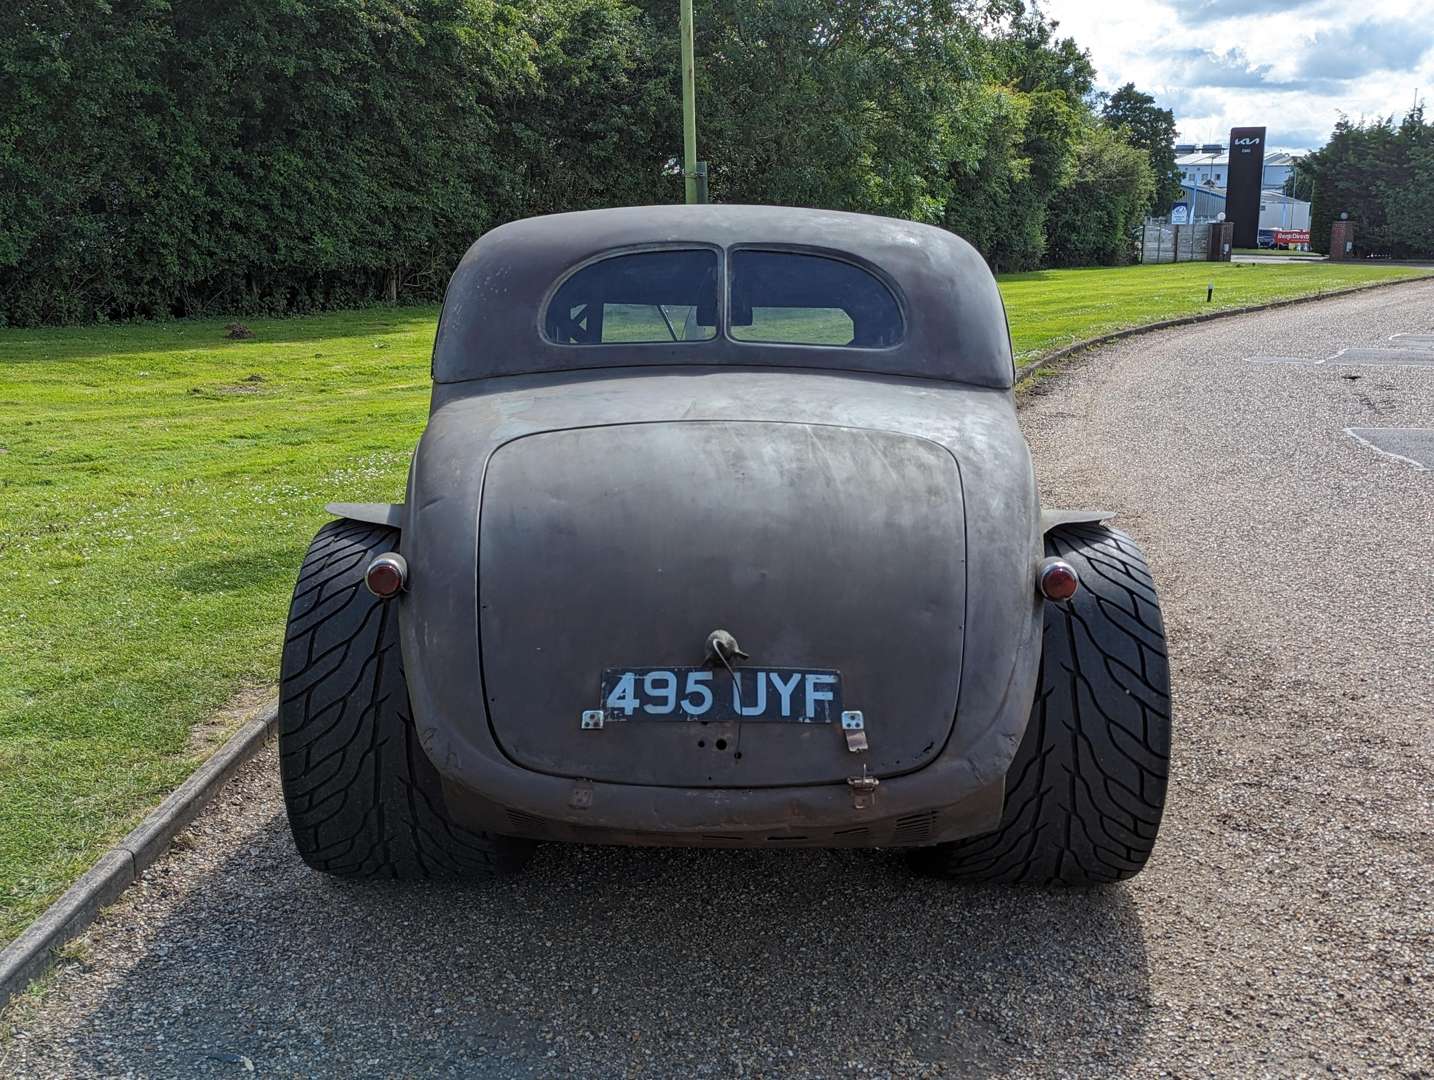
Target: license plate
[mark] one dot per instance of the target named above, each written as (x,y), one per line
(782,695)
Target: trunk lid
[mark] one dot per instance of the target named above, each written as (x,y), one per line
(625,545)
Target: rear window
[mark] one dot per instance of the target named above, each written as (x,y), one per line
(649,296)
(776,297)
(784,298)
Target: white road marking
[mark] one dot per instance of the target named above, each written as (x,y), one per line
(1370,437)
(1366,356)
(1416,356)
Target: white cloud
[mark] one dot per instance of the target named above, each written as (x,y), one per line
(1292,66)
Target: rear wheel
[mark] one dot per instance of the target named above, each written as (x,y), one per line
(362,797)
(1085,793)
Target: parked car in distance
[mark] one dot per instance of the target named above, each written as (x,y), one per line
(723,532)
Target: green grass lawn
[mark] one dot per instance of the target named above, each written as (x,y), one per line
(1051,308)
(158,488)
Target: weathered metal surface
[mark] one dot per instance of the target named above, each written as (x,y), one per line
(822,547)
(956,324)
(999,535)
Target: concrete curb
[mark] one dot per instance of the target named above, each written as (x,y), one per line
(1030,366)
(32,953)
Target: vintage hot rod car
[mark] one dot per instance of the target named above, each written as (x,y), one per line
(723,532)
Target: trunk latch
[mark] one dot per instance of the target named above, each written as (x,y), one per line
(863,790)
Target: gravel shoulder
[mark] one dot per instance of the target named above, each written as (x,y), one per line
(1285,925)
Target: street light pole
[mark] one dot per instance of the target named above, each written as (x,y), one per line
(694,173)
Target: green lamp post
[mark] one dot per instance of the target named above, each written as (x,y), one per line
(694,172)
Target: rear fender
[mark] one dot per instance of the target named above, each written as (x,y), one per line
(390,514)
(1053,519)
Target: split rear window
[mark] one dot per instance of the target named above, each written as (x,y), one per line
(774,297)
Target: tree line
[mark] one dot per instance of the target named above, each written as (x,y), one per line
(181,157)
(1381,174)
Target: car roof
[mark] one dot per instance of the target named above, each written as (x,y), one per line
(490,325)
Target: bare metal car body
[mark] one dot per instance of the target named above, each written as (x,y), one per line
(870,510)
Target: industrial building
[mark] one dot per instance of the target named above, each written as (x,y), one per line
(1277,210)
(1209,166)
(1205,174)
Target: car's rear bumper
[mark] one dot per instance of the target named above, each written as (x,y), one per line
(899,813)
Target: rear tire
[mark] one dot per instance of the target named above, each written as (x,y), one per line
(1085,793)
(362,797)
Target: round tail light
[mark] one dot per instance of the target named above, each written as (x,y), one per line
(387,575)
(1058,579)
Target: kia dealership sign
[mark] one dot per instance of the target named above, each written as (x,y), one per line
(1242,190)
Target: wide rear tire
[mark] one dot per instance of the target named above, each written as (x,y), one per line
(1086,791)
(362,797)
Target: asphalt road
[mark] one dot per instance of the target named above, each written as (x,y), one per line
(1272,258)
(1285,925)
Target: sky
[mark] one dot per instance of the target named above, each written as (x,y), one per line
(1292,66)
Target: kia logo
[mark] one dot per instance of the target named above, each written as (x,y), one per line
(1247,142)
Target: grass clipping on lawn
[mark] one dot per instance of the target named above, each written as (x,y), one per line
(159,484)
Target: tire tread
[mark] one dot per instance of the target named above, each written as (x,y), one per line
(362,798)
(1086,790)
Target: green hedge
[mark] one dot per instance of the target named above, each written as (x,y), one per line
(1382,175)
(180,157)
(258,155)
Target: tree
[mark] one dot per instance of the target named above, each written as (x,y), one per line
(601,120)
(1030,57)
(1151,129)
(1412,204)
(83,139)
(1298,184)
(849,104)
(1093,218)
(170,157)
(989,200)
(1379,174)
